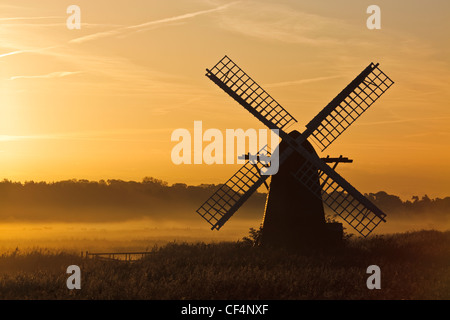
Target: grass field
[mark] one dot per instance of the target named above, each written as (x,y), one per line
(414,265)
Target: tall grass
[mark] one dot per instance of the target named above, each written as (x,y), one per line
(413,265)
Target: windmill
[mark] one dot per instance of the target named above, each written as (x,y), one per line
(294,213)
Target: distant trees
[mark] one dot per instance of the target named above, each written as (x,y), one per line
(117,200)
(110,200)
(423,206)
(383,199)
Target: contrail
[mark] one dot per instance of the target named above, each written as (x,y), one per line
(58,74)
(149,24)
(25,51)
(30,18)
(182,17)
(12,53)
(296,82)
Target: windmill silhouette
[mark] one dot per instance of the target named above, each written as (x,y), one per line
(294,213)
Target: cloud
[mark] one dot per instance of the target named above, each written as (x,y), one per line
(181,17)
(105,135)
(25,51)
(122,73)
(58,74)
(298,82)
(433,134)
(283,23)
(62,24)
(150,24)
(12,53)
(404,120)
(96,36)
(31,18)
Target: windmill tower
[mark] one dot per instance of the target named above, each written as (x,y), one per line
(294,214)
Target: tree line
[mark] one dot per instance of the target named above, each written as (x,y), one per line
(118,200)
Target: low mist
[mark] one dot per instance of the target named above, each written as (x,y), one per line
(119,215)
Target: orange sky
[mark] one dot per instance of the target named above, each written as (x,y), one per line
(102,102)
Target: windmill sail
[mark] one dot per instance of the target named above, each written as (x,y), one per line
(338,194)
(337,116)
(234,81)
(348,105)
(231,195)
(351,206)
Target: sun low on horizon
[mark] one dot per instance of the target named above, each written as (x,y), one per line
(102,101)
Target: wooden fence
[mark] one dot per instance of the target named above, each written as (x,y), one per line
(116,256)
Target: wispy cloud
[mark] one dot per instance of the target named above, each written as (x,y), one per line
(128,77)
(25,51)
(181,17)
(427,134)
(105,135)
(150,24)
(31,18)
(280,22)
(299,82)
(405,120)
(62,24)
(12,53)
(58,74)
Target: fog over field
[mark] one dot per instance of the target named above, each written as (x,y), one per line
(119,215)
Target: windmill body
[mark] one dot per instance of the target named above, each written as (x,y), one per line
(294,214)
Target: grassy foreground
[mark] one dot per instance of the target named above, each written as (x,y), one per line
(413,265)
